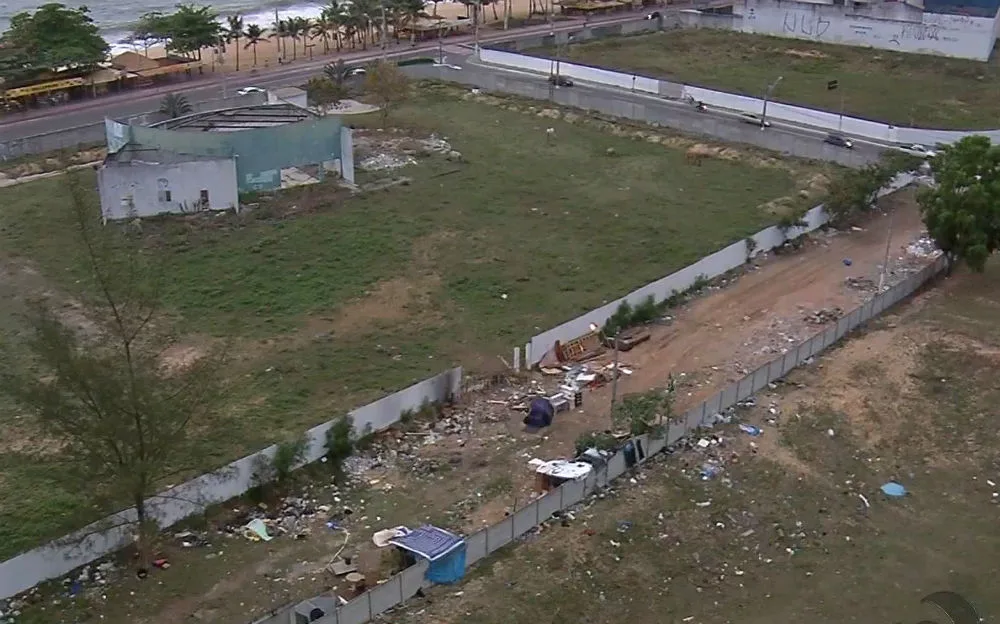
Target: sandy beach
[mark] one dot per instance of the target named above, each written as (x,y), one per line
(270,52)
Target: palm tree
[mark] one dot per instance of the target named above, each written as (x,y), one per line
(303,27)
(254,35)
(407,13)
(175,105)
(361,12)
(321,28)
(279,32)
(334,15)
(233,31)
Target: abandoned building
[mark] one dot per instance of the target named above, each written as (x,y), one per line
(203,161)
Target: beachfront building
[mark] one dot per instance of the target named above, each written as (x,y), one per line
(957,28)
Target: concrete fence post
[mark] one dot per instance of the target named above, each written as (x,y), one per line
(517,359)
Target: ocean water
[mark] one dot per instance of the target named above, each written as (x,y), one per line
(116,17)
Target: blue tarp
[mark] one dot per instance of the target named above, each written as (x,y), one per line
(540,413)
(444,550)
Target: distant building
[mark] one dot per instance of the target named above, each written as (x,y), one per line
(957,28)
(204,161)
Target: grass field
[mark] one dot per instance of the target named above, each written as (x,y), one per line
(333,300)
(904,89)
(782,534)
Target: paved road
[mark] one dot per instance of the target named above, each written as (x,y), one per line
(723,124)
(213,86)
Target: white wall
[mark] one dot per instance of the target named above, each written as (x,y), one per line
(852,126)
(925,33)
(711,266)
(146,184)
(61,556)
(570,70)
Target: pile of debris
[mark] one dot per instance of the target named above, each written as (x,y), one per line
(823,316)
(923,247)
(861,284)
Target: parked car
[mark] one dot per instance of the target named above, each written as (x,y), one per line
(560,81)
(839,140)
(750,118)
(249,90)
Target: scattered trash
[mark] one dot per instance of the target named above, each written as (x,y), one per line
(703,443)
(750,430)
(865,501)
(162,564)
(624,526)
(710,470)
(256,530)
(893,490)
(823,316)
(847,262)
(703,503)
(830,432)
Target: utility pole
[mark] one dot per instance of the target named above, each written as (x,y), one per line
(614,378)
(832,85)
(885,261)
(767,95)
(477,8)
(385,31)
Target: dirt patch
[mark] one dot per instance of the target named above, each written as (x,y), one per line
(382,150)
(808,54)
(391,301)
(181,356)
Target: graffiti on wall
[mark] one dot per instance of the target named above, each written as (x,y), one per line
(917,32)
(807,24)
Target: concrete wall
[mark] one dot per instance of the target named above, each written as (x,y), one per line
(93,134)
(710,124)
(720,262)
(893,26)
(655,110)
(138,189)
(489,540)
(61,556)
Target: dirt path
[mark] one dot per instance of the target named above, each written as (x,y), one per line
(470,468)
(718,338)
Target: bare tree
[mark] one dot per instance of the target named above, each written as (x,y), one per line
(388,86)
(123,418)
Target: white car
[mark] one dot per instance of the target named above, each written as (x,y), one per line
(249,90)
(923,151)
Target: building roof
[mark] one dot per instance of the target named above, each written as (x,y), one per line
(136,154)
(429,542)
(972,8)
(236,119)
(133,62)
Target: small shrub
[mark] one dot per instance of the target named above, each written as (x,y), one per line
(286,457)
(339,442)
(751,245)
(700,283)
(645,312)
(599,440)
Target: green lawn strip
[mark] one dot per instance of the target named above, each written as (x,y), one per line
(902,89)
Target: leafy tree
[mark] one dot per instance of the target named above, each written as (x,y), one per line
(253,35)
(962,211)
(325,93)
(175,105)
(233,32)
(150,30)
(387,85)
(189,29)
(55,36)
(646,412)
(406,14)
(124,417)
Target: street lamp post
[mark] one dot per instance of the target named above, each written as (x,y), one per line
(767,96)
